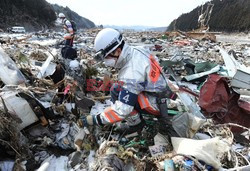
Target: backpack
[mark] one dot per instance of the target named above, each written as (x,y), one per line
(73,24)
(68,52)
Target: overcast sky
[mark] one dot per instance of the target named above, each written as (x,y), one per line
(130,12)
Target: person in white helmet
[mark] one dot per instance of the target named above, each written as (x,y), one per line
(143,88)
(67,26)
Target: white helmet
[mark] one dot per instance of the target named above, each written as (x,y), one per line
(61,15)
(106,41)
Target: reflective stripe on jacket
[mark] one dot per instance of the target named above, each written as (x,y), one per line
(140,73)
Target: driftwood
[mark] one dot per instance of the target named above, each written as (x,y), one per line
(102,98)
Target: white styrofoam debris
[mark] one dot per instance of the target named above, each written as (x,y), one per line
(74,64)
(54,163)
(208,150)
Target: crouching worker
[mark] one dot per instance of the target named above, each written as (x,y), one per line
(144,88)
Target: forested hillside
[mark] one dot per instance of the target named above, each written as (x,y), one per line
(226,15)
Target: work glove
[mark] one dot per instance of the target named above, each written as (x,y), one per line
(85,121)
(175,88)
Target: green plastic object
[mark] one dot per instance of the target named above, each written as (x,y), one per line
(173,112)
(134,143)
(164,36)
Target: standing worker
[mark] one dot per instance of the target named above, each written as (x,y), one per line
(144,88)
(69,29)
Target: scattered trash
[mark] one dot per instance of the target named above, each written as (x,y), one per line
(9,72)
(241,80)
(46,87)
(210,151)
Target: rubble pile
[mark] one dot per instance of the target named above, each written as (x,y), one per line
(43,95)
